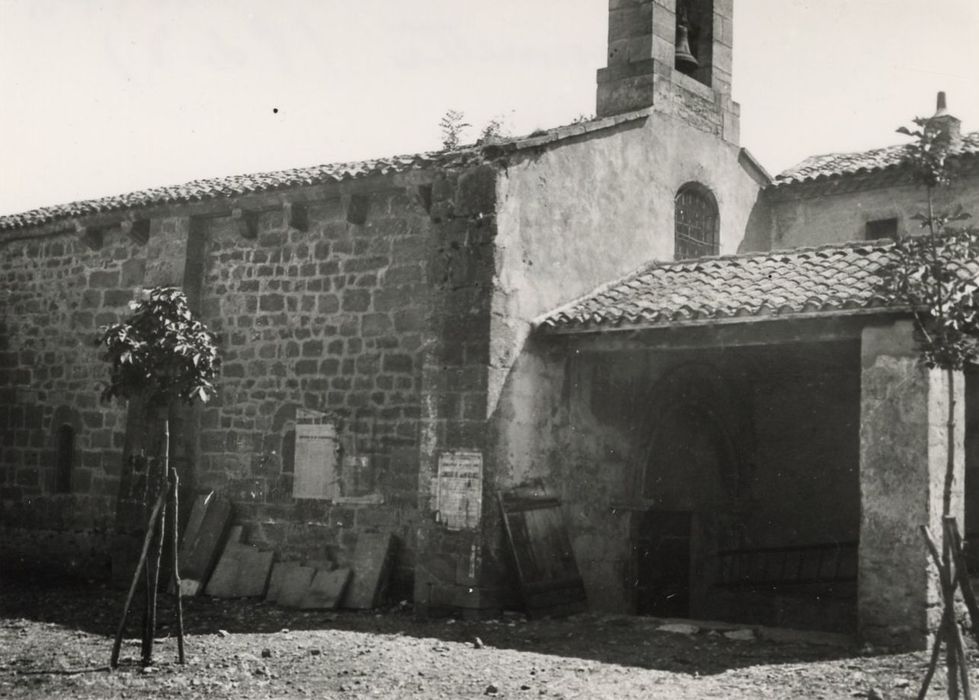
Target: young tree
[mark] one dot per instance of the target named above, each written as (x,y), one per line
(453,124)
(159,356)
(936,275)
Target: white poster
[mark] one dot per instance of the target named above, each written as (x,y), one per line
(459,494)
(316,457)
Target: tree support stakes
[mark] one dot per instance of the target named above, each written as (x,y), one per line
(114,661)
(962,575)
(175,543)
(159,521)
(955,658)
(153,581)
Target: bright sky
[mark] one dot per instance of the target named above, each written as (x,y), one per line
(108,96)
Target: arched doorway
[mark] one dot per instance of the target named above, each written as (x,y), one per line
(689,483)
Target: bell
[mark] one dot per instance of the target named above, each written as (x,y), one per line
(683,57)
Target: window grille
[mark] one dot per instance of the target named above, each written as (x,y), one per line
(696,224)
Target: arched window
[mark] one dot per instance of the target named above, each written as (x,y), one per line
(695,231)
(65,458)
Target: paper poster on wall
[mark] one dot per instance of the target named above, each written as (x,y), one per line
(315,473)
(459,494)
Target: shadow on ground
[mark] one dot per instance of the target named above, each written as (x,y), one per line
(626,641)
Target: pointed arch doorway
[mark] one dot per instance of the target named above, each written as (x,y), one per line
(688,484)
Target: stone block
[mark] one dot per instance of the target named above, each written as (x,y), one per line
(242,572)
(271,302)
(202,540)
(356,300)
(374,324)
(288,583)
(101,279)
(326,590)
(371,564)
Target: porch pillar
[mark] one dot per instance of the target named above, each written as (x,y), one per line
(903,460)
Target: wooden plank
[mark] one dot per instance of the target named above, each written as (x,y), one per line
(371,566)
(541,551)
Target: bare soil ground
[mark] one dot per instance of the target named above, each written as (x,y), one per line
(55,640)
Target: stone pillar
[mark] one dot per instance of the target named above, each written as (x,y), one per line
(903,461)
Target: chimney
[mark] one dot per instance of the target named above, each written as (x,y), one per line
(944,123)
(674,56)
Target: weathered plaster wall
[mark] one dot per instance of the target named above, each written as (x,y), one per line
(903,461)
(589,210)
(816,220)
(583,430)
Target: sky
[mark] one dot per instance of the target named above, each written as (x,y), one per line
(106,97)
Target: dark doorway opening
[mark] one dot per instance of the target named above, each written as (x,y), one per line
(663,563)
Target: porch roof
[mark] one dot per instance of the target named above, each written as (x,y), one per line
(832,280)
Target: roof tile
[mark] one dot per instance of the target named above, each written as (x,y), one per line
(830,279)
(237,185)
(835,164)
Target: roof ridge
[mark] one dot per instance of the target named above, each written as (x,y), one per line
(877,244)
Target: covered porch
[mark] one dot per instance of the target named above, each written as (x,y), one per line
(726,450)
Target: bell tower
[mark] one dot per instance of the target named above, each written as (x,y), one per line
(674,56)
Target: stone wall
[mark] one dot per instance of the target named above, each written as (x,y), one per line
(56,291)
(367,303)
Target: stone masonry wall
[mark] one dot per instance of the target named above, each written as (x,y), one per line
(331,318)
(55,292)
(366,302)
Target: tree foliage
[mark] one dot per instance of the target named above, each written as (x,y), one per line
(161,352)
(937,274)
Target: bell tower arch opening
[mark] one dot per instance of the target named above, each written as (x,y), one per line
(694,50)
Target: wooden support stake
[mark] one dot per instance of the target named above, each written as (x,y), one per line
(175,541)
(955,658)
(154,572)
(117,644)
(936,650)
(962,572)
(153,581)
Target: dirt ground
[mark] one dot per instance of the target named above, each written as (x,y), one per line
(56,637)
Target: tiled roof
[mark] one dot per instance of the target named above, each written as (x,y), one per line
(834,164)
(238,185)
(835,280)
(231,186)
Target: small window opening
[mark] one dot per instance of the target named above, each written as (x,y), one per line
(695,223)
(289,452)
(881,228)
(65,458)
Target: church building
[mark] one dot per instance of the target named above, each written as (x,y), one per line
(627,317)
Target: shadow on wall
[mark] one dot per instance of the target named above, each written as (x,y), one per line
(760,230)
